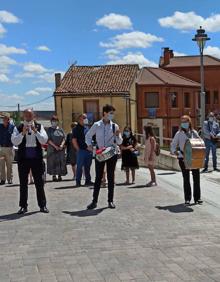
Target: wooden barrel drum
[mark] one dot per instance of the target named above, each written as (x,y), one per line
(194,153)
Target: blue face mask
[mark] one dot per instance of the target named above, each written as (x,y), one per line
(127,134)
(185,125)
(110,117)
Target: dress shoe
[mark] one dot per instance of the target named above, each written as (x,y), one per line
(205,170)
(199,202)
(2,182)
(217,169)
(59,178)
(92,206)
(22,211)
(90,183)
(10,182)
(54,178)
(44,210)
(187,203)
(77,185)
(111,205)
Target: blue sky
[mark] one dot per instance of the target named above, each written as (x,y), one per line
(38,38)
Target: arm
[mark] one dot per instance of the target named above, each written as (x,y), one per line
(153,143)
(42,136)
(90,134)
(119,138)
(174,144)
(205,130)
(75,144)
(16,137)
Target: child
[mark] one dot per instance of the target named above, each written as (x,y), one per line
(149,153)
(129,154)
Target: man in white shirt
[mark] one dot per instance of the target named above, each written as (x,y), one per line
(107,134)
(28,137)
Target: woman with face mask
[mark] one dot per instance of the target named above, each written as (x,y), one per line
(186,132)
(129,154)
(56,161)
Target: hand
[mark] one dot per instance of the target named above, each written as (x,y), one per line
(25,130)
(34,128)
(90,148)
(117,132)
(57,148)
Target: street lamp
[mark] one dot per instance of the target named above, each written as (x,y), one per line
(201,37)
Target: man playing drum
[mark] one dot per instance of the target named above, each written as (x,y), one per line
(108,137)
(185,133)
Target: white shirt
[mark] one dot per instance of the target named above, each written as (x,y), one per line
(104,134)
(17,137)
(179,141)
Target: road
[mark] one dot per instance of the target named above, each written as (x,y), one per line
(151,236)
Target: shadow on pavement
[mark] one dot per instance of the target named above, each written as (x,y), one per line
(65,187)
(166,173)
(180,208)
(138,187)
(85,213)
(122,184)
(15,216)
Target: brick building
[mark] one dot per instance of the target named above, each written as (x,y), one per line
(189,66)
(162,98)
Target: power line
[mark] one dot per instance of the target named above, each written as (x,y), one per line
(30,104)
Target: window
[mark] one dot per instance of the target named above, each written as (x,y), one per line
(207,98)
(174,130)
(174,99)
(187,100)
(216,97)
(152,100)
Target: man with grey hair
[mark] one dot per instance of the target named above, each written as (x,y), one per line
(28,137)
(210,132)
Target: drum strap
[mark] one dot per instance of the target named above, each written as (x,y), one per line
(113,130)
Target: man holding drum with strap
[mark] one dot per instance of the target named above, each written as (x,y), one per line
(108,137)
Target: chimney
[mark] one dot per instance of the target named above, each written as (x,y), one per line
(57,80)
(171,54)
(166,56)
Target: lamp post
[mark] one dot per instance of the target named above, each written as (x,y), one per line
(201,37)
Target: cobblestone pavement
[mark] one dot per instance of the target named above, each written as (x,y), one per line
(151,236)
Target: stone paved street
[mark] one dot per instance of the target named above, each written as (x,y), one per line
(151,236)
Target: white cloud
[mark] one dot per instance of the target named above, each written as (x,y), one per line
(5,63)
(34,68)
(134,39)
(115,21)
(7,50)
(178,54)
(112,53)
(191,21)
(43,89)
(7,17)
(133,58)
(2,30)
(32,93)
(4,78)
(43,48)
(213,51)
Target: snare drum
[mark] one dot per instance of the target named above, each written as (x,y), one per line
(106,154)
(194,153)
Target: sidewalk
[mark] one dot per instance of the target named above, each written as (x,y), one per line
(151,236)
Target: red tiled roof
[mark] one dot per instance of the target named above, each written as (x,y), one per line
(104,79)
(190,61)
(159,76)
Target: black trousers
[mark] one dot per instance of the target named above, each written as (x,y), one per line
(37,167)
(99,167)
(186,182)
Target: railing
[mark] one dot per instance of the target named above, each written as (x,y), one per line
(165,144)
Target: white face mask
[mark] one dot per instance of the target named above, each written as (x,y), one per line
(211,119)
(85,121)
(110,117)
(54,123)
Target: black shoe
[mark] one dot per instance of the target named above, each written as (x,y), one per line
(199,202)
(59,178)
(77,185)
(217,169)
(92,206)
(205,170)
(187,203)
(54,179)
(90,183)
(10,182)
(2,182)
(44,210)
(22,211)
(111,205)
